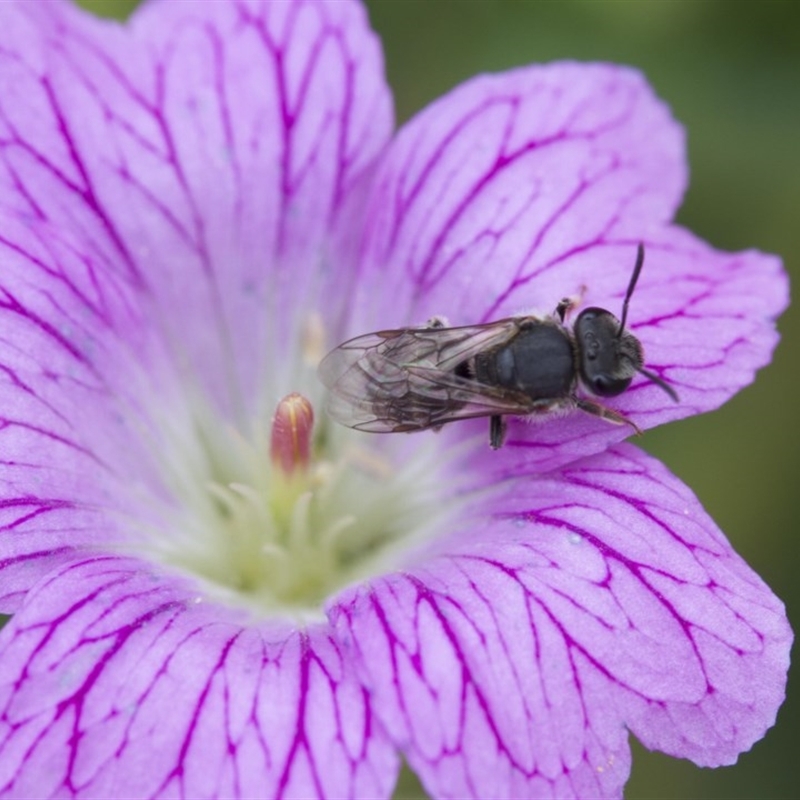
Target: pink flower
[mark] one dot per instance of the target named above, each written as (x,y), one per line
(194,205)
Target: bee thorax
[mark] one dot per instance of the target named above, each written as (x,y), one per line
(540,362)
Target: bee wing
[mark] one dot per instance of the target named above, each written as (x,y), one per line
(405,380)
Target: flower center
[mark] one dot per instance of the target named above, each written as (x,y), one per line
(280,521)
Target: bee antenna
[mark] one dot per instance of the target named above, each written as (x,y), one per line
(631,286)
(653,378)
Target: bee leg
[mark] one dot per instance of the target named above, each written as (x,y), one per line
(597,410)
(567,304)
(436,322)
(497,431)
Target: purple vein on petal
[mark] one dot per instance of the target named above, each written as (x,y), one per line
(423,279)
(160,108)
(623,605)
(83,189)
(625,159)
(262,708)
(293,99)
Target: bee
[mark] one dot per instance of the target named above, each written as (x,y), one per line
(415,379)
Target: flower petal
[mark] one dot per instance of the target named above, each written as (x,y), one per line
(601,598)
(110,666)
(517,190)
(212,153)
(485,198)
(124,295)
(78,367)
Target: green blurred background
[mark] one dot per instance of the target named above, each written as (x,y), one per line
(731,72)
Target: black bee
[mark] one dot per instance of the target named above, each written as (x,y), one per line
(413,379)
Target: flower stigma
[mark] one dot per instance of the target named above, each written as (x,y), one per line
(290,444)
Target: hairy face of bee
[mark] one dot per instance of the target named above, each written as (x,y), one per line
(608,356)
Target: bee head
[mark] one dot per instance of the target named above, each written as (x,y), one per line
(609,355)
